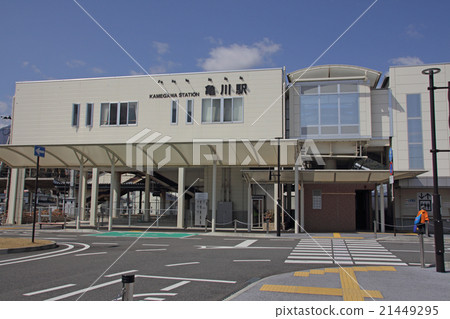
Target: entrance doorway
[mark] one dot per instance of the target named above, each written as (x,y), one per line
(258,211)
(363,210)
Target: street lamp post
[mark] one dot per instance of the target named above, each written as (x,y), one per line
(438,227)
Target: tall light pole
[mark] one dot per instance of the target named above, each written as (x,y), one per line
(438,227)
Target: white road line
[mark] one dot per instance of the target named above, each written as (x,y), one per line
(156,294)
(307,257)
(154,299)
(58,238)
(47,290)
(189,279)
(308,262)
(159,245)
(250,260)
(246,243)
(183,264)
(156,249)
(379,263)
(90,254)
(104,244)
(41,256)
(393,258)
(179,284)
(120,273)
(413,251)
(78,292)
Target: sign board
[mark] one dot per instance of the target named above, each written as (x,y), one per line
(425,199)
(39,151)
(201,208)
(391,179)
(391,169)
(391,155)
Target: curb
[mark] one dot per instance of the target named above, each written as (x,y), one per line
(27,249)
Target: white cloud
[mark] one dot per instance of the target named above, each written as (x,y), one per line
(406,60)
(133,72)
(413,32)
(238,56)
(161,47)
(98,70)
(75,63)
(4,108)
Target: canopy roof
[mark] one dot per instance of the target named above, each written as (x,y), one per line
(327,176)
(137,156)
(335,72)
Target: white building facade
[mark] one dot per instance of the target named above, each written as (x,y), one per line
(212,141)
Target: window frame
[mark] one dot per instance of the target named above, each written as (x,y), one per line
(415,144)
(117,113)
(174,121)
(89,114)
(75,115)
(342,90)
(189,108)
(222,110)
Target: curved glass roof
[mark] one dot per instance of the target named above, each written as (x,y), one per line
(335,72)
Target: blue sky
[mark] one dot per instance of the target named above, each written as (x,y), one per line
(55,39)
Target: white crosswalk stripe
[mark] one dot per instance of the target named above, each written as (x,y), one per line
(342,252)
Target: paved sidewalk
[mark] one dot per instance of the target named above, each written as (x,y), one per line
(365,283)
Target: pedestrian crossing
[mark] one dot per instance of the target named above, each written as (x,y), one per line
(342,252)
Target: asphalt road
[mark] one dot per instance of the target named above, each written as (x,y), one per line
(195,267)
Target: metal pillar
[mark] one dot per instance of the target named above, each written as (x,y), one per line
(94,197)
(297,201)
(147,199)
(213,198)
(249,208)
(382,214)
(111,197)
(438,227)
(181,202)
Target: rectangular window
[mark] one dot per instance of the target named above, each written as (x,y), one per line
(174,112)
(415,141)
(329,109)
(189,111)
(223,110)
(75,114)
(123,113)
(89,114)
(317,199)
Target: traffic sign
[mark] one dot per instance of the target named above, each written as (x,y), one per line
(391,155)
(391,169)
(39,151)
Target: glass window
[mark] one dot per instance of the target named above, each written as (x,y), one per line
(123,113)
(227,110)
(113,114)
(415,141)
(174,112)
(132,113)
(104,114)
(216,103)
(317,199)
(123,119)
(238,109)
(223,110)
(89,113)
(189,111)
(309,89)
(309,110)
(328,88)
(75,114)
(206,110)
(329,110)
(349,109)
(413,105)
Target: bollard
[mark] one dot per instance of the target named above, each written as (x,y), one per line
(235,226)
(127,287)
(375,228)
(422,251)
(267,226)
(206,226)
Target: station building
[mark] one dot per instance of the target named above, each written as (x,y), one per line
(210,147)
